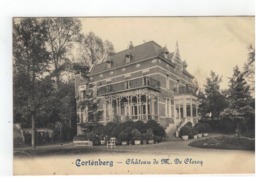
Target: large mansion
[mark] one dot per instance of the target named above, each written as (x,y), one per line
(141,83)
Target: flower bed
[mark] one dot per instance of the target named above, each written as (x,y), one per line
(225,142)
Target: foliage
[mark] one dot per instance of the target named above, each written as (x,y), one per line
(194,132)
(149,134)
(206,128)
(249,69)
(199,127)
(61,33)
(124,135)
(213,101)
(30,64)
(44,68)
(93,49)
(239,108)
(136,134)
(224,142)
(157,128)
(99,131)
(185,130)
(140,125)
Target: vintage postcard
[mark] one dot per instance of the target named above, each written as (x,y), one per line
(133,95)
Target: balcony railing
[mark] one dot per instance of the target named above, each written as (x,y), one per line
(130,84)
(185,90)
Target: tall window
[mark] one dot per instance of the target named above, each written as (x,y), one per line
(145,80)
(144,109)
(177,86)
(188,110)
(194,110)
(127,84)
(181,111)
(167,82)
(177,112)
(168,108)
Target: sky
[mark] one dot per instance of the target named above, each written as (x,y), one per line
(206,43)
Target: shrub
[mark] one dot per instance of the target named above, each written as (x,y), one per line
(80,138)
(94,138)
(149,134)
(206,128)
(189,124)
(158,130)
(99,131)
(199,127)
(158,139)
(123,136)
(136,134)
(194,132)
(185,130)
(140,125)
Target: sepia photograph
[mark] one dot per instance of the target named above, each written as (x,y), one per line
(133,95)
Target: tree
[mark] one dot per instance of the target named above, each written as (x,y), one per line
(239,100)
(61,33)
(215,101)
(94,50)
(202,109)
(249,69)
(30,64)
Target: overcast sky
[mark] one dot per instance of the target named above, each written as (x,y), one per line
(206,43)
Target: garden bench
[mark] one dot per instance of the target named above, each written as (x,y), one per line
(86,143)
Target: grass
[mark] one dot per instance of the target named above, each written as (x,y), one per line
(57,151)
(249,134)
(225,142)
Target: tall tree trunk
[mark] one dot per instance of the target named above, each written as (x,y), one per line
(33,133)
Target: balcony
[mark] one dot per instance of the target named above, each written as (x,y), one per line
(185,90)
(144,82)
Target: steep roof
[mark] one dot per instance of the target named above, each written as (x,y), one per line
(140,52)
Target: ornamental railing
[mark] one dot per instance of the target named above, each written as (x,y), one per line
(129,84)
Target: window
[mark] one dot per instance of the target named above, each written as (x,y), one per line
(177,112)
(177,86)
(181,112)
(123,109)
(168,108)
(188,110)
(127,84)
(109,87)
(194,110)
(144,109)
(127,58)
(109,65)
(82,94)
(167,82)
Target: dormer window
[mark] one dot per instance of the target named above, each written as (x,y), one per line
(128,56)
(109,62)
(127,59)
(109,65)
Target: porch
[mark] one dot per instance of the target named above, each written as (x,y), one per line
(136,105)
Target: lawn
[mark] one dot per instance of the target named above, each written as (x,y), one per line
(225,142)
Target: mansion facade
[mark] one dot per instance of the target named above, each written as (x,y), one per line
(141,83)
